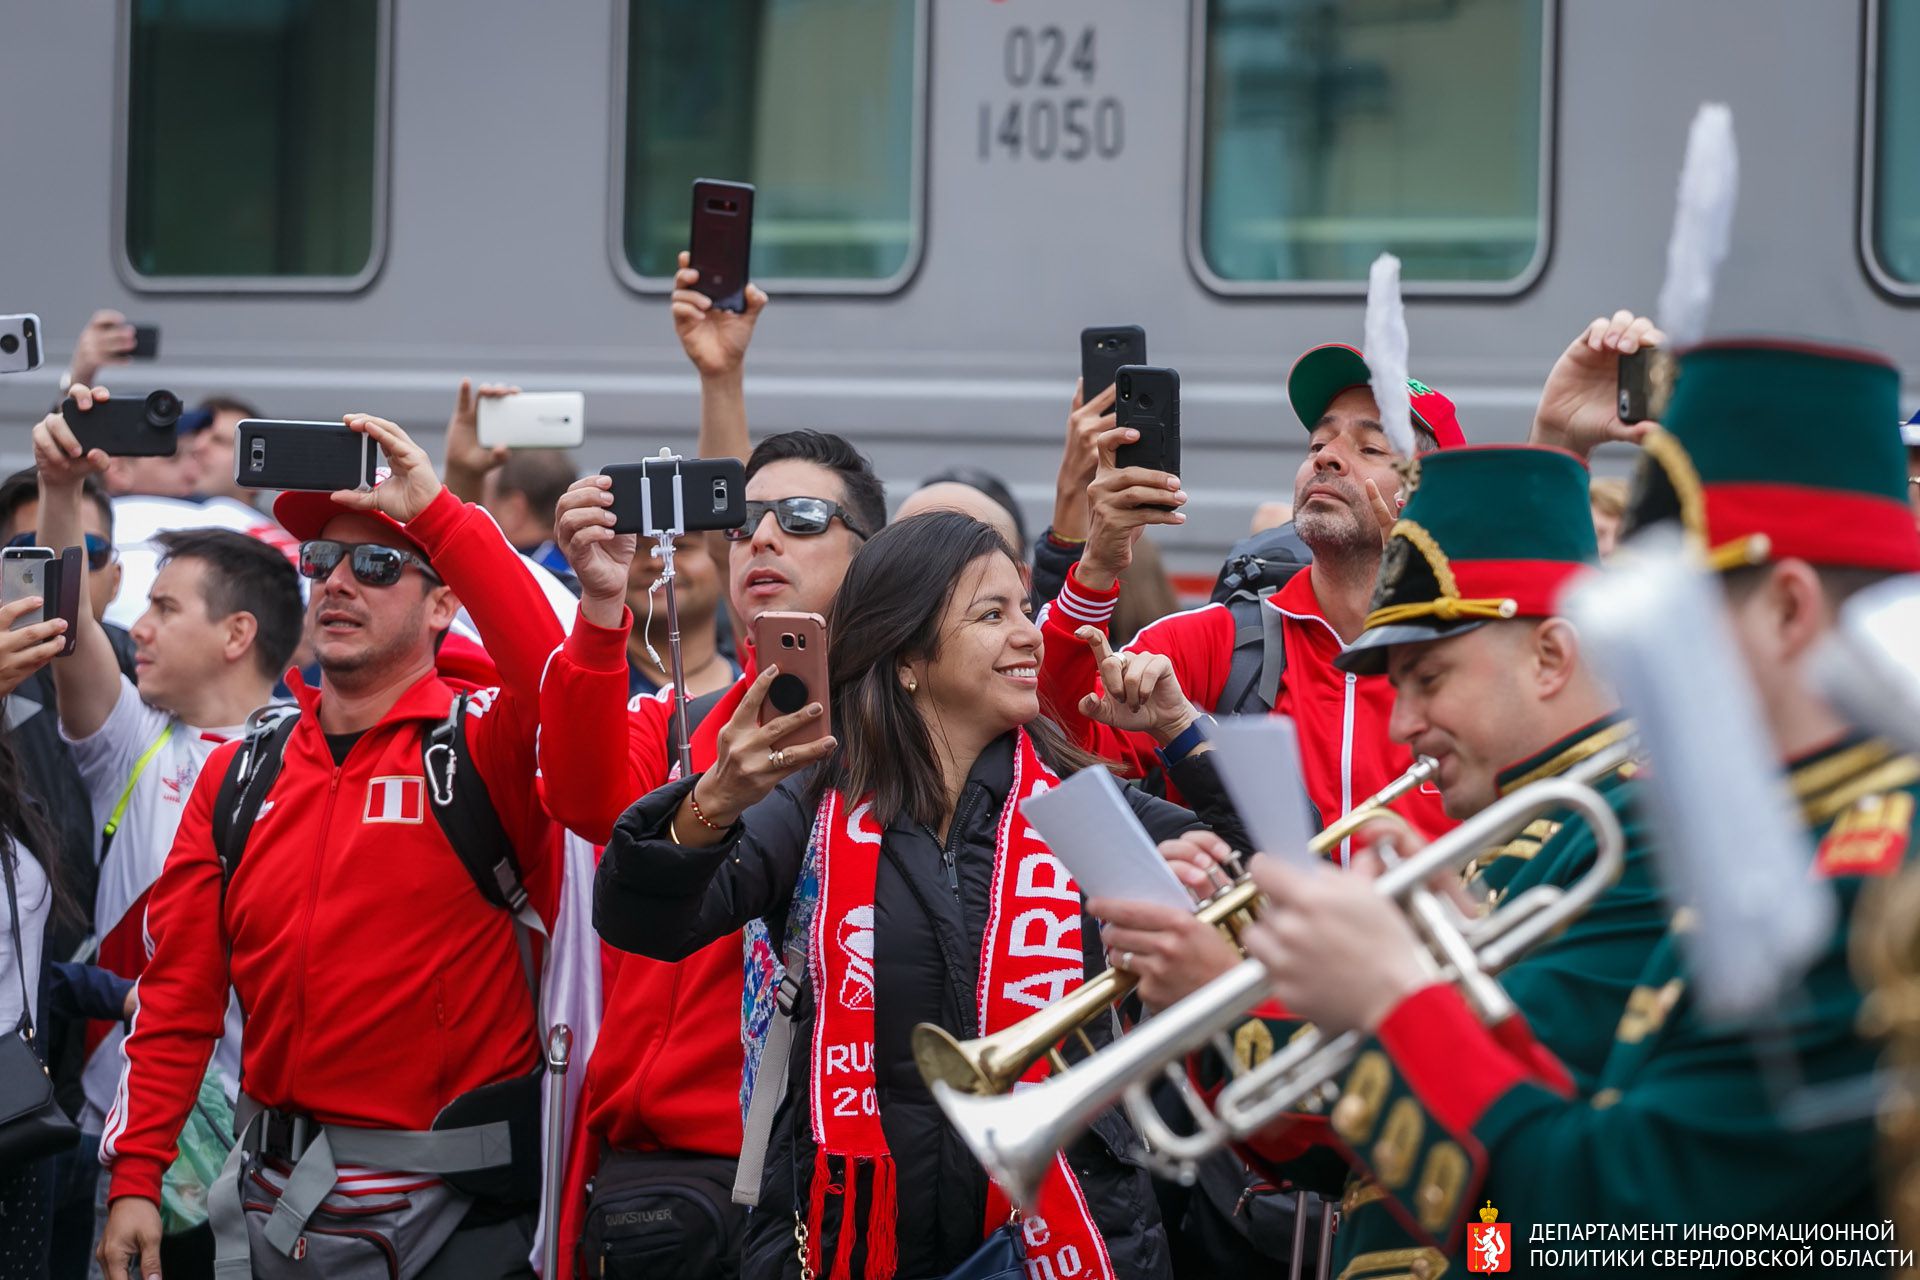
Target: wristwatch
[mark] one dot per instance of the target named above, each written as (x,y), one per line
(1190,737)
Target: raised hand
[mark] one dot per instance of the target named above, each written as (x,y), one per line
(600,558)
(467,462)
(1140,691)
(1579,407)
(1122,501)
(57,454)
(1087,421)
(715,340)
(106,339)
(411,485)
(25,651)
(750,761)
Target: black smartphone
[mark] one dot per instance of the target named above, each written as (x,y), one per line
(678,495)
(146,342)
(1147,398)
(1104,351)
(1644,382)
(127,426)
(315,456)
(64,593)
(720,245)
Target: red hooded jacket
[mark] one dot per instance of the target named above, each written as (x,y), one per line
(379,985)
(665,1072)
(1345,752)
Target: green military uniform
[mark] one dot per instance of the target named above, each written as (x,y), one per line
(1489,534)
(1688,1122)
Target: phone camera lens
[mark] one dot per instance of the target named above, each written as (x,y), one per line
(9,343)
(1126,388)
(163,409)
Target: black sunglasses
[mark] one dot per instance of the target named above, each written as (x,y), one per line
(100,552)
(372,564)
(802,517)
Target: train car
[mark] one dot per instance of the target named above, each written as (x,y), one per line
(333,205)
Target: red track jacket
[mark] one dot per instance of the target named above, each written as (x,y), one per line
(1344,748)
(378,983)
(665,1072)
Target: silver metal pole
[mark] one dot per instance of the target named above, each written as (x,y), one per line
(1302,1217)
(559,1053)
(673,650)
(1329,1223)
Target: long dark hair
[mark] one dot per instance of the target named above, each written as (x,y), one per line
(888,610)
(23,819)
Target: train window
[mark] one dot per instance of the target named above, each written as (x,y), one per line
(254,143)
(1891,210)
(818,105)
(1331,130)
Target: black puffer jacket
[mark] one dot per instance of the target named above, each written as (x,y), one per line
(930,906)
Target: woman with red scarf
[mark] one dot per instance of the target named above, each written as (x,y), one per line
(894,859)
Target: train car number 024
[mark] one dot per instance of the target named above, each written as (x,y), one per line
(1059,118)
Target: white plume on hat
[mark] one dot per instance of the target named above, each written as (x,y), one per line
(1386,348)
(1702,224)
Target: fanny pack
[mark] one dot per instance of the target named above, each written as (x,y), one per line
(662,1215)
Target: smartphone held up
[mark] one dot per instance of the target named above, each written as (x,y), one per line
(19,343)
(719,246)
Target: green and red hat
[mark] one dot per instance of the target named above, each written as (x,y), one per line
(1491,532)
(1773,450)
(1321,374)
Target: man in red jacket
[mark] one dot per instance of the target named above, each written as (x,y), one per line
(380,986)
(1346,496)
(662,1086)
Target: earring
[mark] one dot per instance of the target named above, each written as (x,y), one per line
(913,686)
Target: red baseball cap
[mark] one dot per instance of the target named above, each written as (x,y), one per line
(1321,374)
(305,515)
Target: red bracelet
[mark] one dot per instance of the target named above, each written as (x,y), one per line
(695,802)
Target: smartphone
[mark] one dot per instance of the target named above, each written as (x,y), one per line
(19,343)
(24,571)
(534,420)
(678,495)
(722,236)
(1103,351)
(69,575)
(797,644)
(315,456)
(127,426)
(1645,380)
(146,342)
(1147,398)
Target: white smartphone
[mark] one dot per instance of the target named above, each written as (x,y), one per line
(19,343)
(23,573)
(534,420)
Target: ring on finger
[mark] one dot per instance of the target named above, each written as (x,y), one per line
(778,757)
(1124,962)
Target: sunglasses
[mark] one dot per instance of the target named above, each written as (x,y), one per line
(100,552)
(372,564)
(802,517)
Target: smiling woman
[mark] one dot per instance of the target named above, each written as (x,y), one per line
(898,867)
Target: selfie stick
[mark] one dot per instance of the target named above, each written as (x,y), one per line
(664,535)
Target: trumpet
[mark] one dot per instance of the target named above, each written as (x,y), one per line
(993,1064)
(1015,1137)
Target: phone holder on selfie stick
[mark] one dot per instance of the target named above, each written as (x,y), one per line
(664,527)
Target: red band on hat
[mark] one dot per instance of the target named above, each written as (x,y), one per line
(1532,585)
(1820,526)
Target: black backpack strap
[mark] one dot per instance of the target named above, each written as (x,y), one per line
(697,710)
(244,787)
(458,797)
(1259,658)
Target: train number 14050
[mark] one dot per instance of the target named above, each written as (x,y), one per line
(1051,121)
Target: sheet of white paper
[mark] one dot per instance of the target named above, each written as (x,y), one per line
(1259,761)
(1088,825)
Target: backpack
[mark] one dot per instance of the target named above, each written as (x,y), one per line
(457,795)
(1257,567)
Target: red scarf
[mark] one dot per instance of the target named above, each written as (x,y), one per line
(1030,958)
